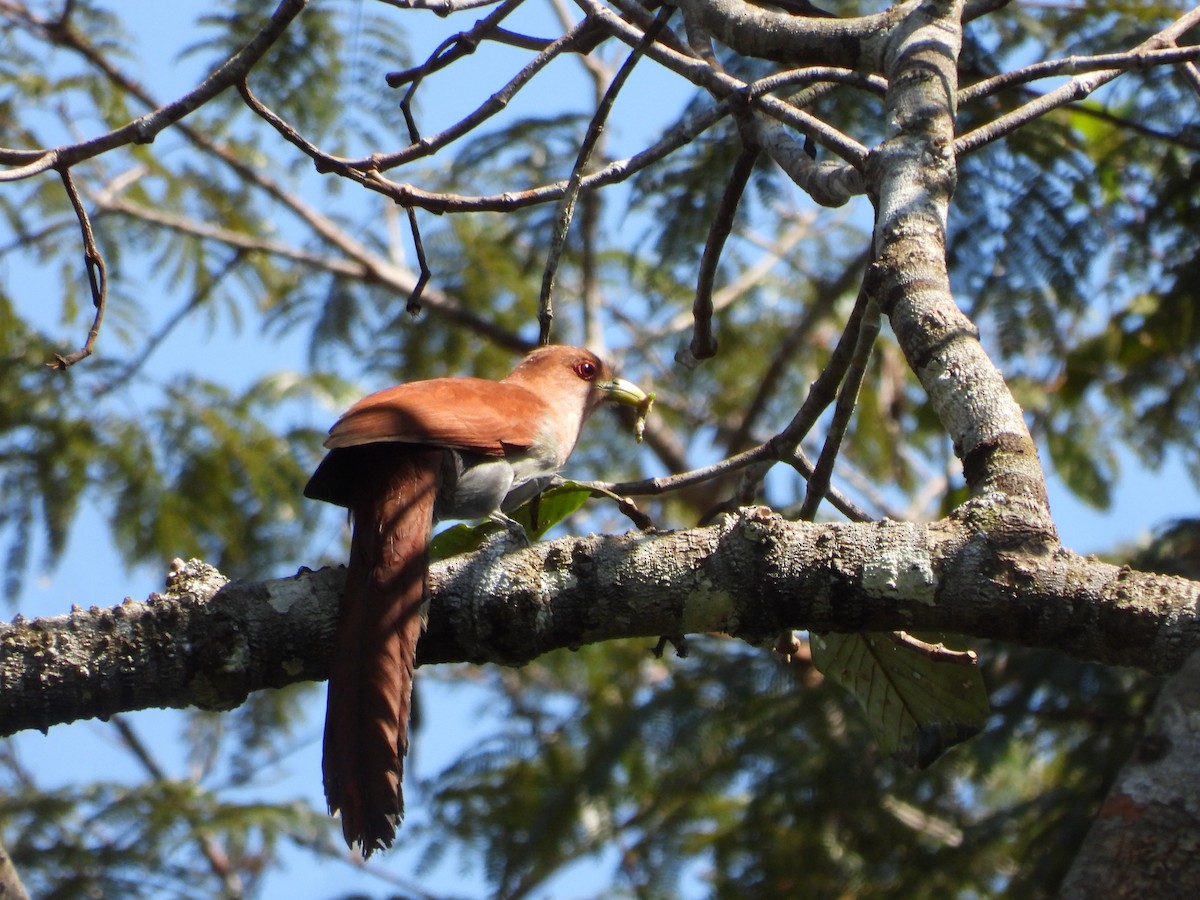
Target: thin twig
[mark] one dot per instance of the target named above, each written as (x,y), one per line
(436,62)
(1072,65)
(97,274)
(381,162)
(413,305)
(703,344)
(818,482)
(144,129)
(448,51)
(440,7)
(937,652)
(1075,89)
(722,85)
(763,453)
(566,207)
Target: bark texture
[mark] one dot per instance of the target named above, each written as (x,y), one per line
(208,643)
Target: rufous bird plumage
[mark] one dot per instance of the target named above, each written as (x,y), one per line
(399,459)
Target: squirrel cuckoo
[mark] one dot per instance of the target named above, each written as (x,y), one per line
(447,448)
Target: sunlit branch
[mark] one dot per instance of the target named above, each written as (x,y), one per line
(828,183)
(1077,88)
(1071,65)
(144,129)
(449,51)
(722,85)
(768,33)
(874,84)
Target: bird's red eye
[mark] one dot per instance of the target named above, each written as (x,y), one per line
(586,369)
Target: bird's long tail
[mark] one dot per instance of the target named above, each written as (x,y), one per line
(379,621)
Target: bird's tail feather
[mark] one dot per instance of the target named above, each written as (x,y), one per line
(371,671)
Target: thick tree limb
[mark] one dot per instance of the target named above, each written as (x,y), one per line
(1143,842)
(208,644)
(771,34)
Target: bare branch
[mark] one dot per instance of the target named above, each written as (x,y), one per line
(210,643)
(448,51)
(853,42)
(441,7)
(830,184)
(381,162)
(1070,65)
(703,344)
(719,84)
(97,274)
(440,202)
(413,304)
(1077,88)
(818,483)
(145,128)
(591,138)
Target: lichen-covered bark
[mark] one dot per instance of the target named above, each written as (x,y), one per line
(194,645)
(912,174)
(208,644)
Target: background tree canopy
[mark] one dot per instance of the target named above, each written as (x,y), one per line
(283,210)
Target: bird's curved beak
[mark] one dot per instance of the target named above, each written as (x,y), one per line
(618,390)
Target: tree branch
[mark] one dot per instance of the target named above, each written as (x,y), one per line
(144,129)
(771,34)
(1077,88)
(208,643)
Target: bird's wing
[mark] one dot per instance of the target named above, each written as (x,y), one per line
(473,414)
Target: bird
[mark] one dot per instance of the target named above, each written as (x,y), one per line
(399,460)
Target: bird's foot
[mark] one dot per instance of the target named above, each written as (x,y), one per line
(515,530)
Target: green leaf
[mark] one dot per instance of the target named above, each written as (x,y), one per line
(459,539)
(551,507)
(537,517)
(919,702)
